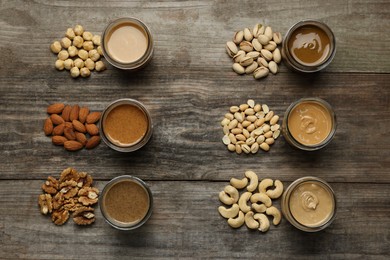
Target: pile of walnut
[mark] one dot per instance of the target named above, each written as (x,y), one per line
(69,125)
(259,195)
(79,52)
(73,192)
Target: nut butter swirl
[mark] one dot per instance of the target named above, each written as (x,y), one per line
(309,201)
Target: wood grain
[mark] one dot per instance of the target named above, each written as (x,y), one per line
(188,87)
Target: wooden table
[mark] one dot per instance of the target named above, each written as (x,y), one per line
(188,87)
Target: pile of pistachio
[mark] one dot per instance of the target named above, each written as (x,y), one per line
(255,52)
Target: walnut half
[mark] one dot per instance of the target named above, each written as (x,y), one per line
(88,196)
(60,216)
(50,185)
(69,189)
(84,216)
(45,204)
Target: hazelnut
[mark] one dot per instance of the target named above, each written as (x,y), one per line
(88,45)
(78,41)
(63,55)
(65,42)
(59,64)
(99,50)
(73,51)
(78,30)
(94,55)
(99,66)
(85,72)
(87,36)
(70,33)
(83,54)
(75,72)
(96,40)
(90,64)
(79,63)
(55,47)
(68,64)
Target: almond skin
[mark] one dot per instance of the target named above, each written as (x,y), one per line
(74,113)
(78,126)
(69,125)
(69,133)
(72,145)
(59,130)
(81,138)
(58,139)
(83,113)
(56,119)
(93,117)
(93,142)
(48,126)
(66,113)
(92,129)
(55,108)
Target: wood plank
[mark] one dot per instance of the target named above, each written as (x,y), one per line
(185,223)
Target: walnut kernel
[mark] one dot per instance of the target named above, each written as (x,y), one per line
(50,185)
(84,216)
(60,216)
(45,204)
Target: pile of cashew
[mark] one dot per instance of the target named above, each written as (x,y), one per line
(253,205)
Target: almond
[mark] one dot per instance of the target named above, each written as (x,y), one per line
(59,130)
(56,119)
(78,126)
(66,113)
(73,145)
(48,126)
(83,113)
(55,108)
(69,133)
(93,117)
(93,142)
(69,125)
(74,113)
(80,137)
(92,129)
(58,139)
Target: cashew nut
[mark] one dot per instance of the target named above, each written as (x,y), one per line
(239,184)
(254,180)
(263,220)
(272,211)
(238,221)
(261,208)
(262,197)
(229,195)
(250,221)
(242,202)
(277,192)
(264,184)
(230,212)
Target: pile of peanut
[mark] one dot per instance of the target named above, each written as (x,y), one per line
(250,126)
(79,52)
(72,127)
(72,192)
(252,206)
(255,52)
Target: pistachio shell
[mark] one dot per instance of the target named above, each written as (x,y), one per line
(257,30)
(260,73)
(263,39)
(268,32)
(277,56)
(256,45)
(238,37)
(277,37)
(246,61)
(246,46)
(270,46)
(262,62)
(238,68)
(273,67)
(266,54)
(251,68)
(231,49)
(240,54)
(253,54)
(248,35)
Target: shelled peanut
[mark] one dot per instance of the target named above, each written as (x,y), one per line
(255,51)
(250,127)
(73,127)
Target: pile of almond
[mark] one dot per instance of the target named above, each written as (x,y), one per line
(72,127)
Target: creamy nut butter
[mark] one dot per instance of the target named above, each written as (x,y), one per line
(126,125)
(309,204)
(309,46)
(126,202)
(127,43)
(309,124)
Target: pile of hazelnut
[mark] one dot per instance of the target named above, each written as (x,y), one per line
(79,52)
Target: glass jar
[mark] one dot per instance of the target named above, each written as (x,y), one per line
(127,44)
(304,41)
(309,204)
(309,124)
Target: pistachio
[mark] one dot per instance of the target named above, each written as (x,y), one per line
(246,61)
(262,62)
(266,54)
(238,37)
(240,54)
(260,73)
(263,39)
(273,67)
(276,55)
(268,32)
(251,68)
(253,54)
(256,44)
(271,46)
(238,68)
(246,46)
(277,37)
(257,30)
(247,34)
(231,49)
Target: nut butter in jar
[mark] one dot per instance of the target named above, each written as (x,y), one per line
(309,124)
(126,125)
(309,204)
(126,202)
(127,43)
(309,46)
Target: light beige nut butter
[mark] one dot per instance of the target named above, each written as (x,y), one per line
(309,124)
(309,204)
(126,202)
